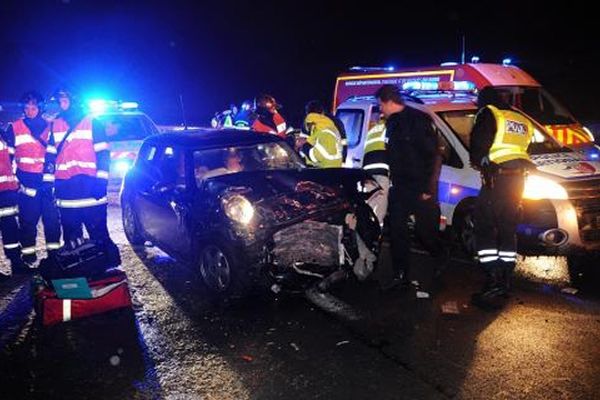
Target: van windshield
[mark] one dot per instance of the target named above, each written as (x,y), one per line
(461,122)
(537,103)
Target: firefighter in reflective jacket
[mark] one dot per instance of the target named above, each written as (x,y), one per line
(34,159)
(267,117)
(376,164)
(82,165)
(8,208)
(323,146)
(499,142)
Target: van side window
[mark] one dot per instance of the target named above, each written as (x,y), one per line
(449,155)
(353,123)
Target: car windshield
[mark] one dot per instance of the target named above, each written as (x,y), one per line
(122,127)
(211,163)
(537,103)
(461,122)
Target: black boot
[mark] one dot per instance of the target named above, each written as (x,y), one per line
(493,287)
(507,273)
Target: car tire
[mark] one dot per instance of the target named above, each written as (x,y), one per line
(131,226)
(464,228)
(221,270)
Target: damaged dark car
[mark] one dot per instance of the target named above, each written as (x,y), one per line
(243,210)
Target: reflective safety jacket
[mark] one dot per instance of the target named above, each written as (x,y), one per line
(375,157)
(274,124)
(323,147)
(78,155)
(34,157)
(513,135)
(8,180)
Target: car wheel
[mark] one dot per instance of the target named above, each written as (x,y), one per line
(130,225)
(464,227)
(220,270)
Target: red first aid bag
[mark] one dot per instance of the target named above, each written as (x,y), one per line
(107,294)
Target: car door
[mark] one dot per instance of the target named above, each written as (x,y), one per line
(166,203)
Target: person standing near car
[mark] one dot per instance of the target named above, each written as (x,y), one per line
(323,146)
(82,165)
(34,159)
(267,118)
(9,186)
(499,142)
(415,160)
(375,163)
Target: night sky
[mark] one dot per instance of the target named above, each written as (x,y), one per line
(221,52)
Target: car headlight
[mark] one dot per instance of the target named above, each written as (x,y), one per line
(238,208)
(537,188)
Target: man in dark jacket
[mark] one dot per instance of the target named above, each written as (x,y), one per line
(415,161)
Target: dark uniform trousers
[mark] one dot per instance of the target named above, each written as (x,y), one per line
(496,216)
(93,218)
(9,226)
(30,210)
(402,204)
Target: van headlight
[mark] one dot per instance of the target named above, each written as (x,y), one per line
(538,188)
(238,208)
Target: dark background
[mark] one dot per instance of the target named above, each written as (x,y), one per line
(221,52)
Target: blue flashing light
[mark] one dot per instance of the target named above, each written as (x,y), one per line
(98,106)
(122,166)
(507,61)
(129,105)
(474,59)
(464,85)
(390,68)
(448,64)
(594,156)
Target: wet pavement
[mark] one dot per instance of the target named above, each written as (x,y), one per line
(179,343)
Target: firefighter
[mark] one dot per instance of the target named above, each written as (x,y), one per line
(499,142)
(9,209)
(315,106)
(82,165)
(34,159)
(322,147)
(376,164)
(242,118)
(267,117)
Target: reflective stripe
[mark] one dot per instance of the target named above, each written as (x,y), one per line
(23,139)
(507,253)
(48,178)
(487,252)
(74,163)
(66,310)
(102,174)
(10,178)
(101,146)
(11,246)
(9,211)
(11,151)
(81,134)
(28,250)
(281,127)
(59,136)
(3,146)
(325,154)
(29,160)
(375,140)
(488,259)
(80,203)
(28,191)
(311,155)
(53,246)
(508,259)
(377,166)
(51,149)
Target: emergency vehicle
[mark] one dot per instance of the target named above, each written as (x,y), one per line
(524,92)
(561,214)
(126,128)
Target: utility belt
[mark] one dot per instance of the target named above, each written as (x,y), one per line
(489,175)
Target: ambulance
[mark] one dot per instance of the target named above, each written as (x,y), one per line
(126,128)
(561,206)
(526,93)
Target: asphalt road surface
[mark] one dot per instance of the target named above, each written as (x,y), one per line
(364,343)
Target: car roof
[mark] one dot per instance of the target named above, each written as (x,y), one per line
(212,138)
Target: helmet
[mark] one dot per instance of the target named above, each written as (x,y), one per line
(32,97)
(246,105)
(61,92)
(314,106)
(266,102)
